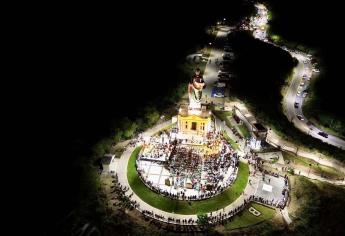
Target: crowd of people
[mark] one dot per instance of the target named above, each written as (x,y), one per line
(157,148)
(207,168)
(172,220)
(222,216)
(119,193)
(276,203)
(204,166)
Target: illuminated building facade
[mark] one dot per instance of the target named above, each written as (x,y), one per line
(194,118)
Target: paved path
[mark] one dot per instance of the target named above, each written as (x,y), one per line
(304,67)
(277,141)
(286,217)
(313,176)
(121,171)
(210,76)
(122,175)
(211,69)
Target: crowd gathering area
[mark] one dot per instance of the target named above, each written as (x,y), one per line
(187,168)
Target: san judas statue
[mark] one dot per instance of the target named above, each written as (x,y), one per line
(195,88)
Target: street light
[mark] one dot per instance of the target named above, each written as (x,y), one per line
(210,43)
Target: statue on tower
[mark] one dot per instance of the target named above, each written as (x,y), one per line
(195,90)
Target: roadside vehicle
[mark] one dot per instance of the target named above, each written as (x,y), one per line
(323,134)
(300,117)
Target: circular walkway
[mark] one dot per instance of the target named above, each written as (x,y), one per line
(121,170)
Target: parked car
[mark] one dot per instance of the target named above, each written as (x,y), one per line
(300,117)
(220,84)
(323,134)
(218,95)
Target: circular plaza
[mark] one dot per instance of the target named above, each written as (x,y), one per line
(187,167)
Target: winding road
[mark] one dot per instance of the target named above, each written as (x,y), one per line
(298,84)
(304,67)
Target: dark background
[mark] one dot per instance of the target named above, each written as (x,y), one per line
(319,26)
(97,63)
(95,66)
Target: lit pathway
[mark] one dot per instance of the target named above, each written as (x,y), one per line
(211,69)
(291,97)
(286,217)
(304,67)
(317,177)
(277,141)
(121,171)
(210,76)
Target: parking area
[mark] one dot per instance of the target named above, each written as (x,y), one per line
(218,92)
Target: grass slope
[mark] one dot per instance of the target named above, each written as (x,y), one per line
(245,218)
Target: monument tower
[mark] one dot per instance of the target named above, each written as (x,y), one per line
(194,118)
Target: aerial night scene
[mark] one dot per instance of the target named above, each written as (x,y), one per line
(218,118)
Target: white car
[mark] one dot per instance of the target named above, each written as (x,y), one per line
(218,95)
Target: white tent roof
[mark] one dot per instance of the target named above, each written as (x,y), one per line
(267,188)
